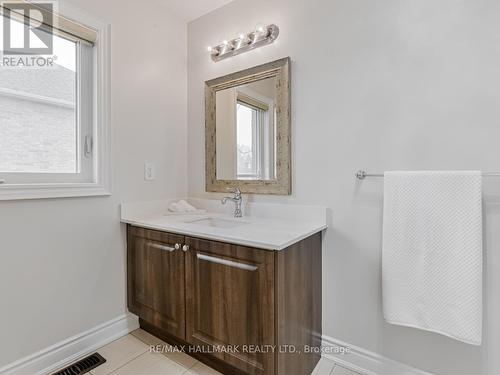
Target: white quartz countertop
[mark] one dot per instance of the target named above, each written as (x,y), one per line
(265,226)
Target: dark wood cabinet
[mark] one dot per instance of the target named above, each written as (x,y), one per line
(156,275)
(230,301)
(263,307)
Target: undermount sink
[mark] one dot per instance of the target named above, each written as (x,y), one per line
(217,223)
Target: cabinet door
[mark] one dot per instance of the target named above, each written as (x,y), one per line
(230,302)
(156,277)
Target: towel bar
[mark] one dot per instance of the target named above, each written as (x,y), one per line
(361,175)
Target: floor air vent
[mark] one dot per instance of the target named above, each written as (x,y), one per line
(82,366)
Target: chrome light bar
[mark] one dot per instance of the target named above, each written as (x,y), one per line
(245,42)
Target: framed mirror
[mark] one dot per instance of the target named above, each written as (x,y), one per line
(248,130)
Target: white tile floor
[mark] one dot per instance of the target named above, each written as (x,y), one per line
(130,355)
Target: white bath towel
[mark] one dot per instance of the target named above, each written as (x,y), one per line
(432,252)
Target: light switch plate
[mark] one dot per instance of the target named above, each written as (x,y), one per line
(149,171)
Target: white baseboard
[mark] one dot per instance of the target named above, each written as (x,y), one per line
(69,350)
(365,361)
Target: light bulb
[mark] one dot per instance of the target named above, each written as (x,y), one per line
(242,41)
(209,49)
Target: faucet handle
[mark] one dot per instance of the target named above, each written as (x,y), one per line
(236,191)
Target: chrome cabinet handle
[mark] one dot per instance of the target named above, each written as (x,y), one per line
(161,247)
(177,246)
(225,262)
(185,248)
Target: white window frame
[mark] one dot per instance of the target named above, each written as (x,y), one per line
(101,181)
(257,118)
(259,138)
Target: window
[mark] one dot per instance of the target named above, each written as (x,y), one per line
(247,133)
(254,139)
(53,137)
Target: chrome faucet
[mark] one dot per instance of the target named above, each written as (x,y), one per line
(236,199)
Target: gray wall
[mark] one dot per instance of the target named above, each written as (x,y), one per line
(380,85)
(62,267)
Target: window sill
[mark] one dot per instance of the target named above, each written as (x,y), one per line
(48,191)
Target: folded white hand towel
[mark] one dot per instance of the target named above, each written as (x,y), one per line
(182,207)
(176,207)
(186,206)
(432,252)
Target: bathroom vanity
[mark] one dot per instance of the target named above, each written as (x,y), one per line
(242,295)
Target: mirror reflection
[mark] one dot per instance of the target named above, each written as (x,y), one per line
(246,131)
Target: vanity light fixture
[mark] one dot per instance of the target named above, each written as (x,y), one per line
(245,42)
